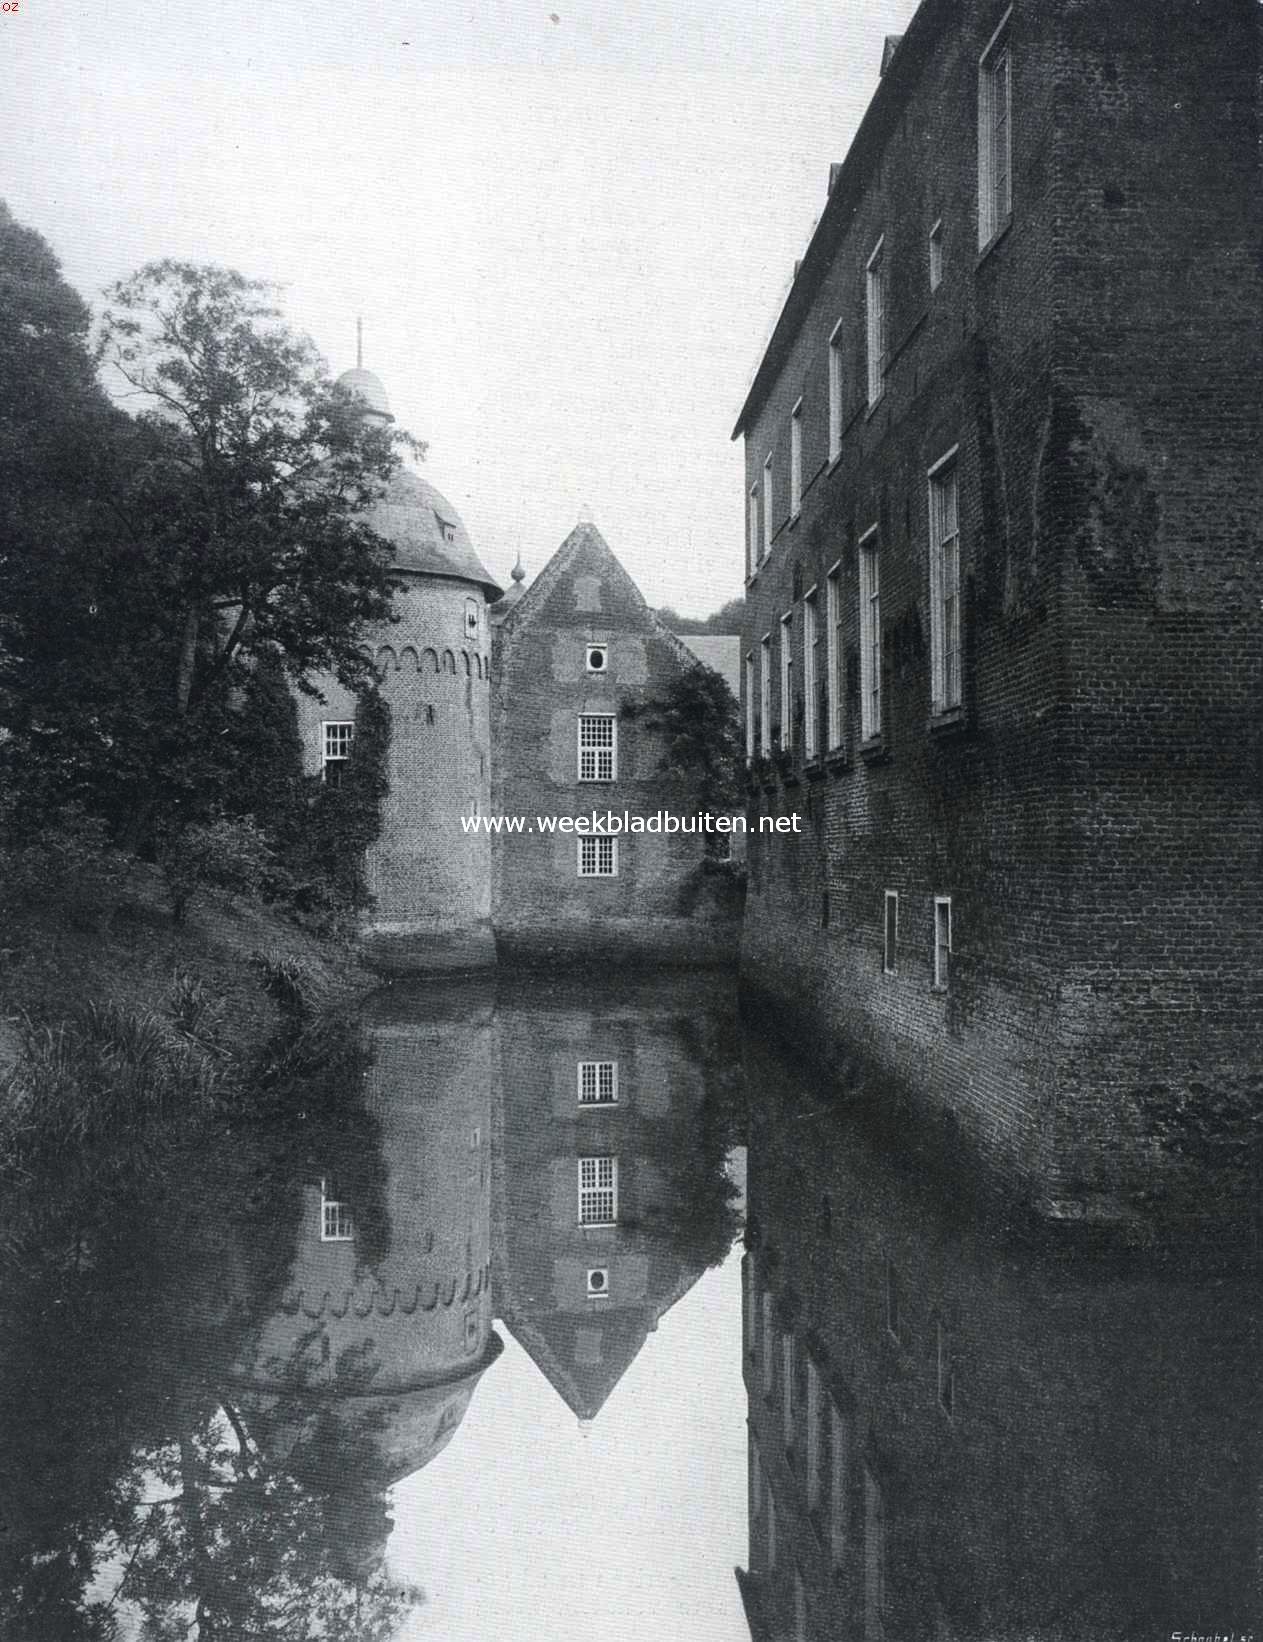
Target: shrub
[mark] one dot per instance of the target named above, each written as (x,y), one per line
(231,855)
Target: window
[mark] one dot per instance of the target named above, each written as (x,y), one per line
(471,618)
(945,669)
(936,255)
(769,1361)
(771,1530)
(336,1224)
(598,1191)
(835,392)
(336,736)
(875,314)
(890,943)
(756,1482)
(765,697)
(942,940)
(787,681)
(598,1083)
(946,1370)
(796,460)
(787,1388)
(814,1411)
(870,638)
(839,1483)
(874,1560)
(767,505)
(599,1283)
(892,1300)
(752,1304)
(995,137)
(811,672)
(598,746)
(752,531)
(598,857)
(800,1609)
(749,706)
(598,658)
(834,653)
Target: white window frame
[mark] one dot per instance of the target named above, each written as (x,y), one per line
(337,1224)
(597,855)
(601,1077)
(336,738)
(935,246)
(870,635)
(750,685)
(811,640)
(597,757)
(765,697)
(946,658)
(889,937)
(787,681)
(814,1412)
(589,650)
(788,1411)
(836,380)
(597,1188)
(839,1466)
(752,531)
(834,650)
(942,942)
(796,460)
(768,528)
(995,135)
(875,318)
(602,1290)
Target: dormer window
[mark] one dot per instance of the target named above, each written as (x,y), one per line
(447,530)
(598,658)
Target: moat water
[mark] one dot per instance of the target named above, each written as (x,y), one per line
(562,1308)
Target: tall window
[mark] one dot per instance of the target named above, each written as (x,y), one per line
(814,1408)
(787,681)
(598,1191)
(752,1304)
(839,1483)
(946,1369)
(598,856)
(890,941)
(767,505)
(945,669)
(893,1318)
(756,1481)
(765,696)
(752,530)
(870,637)
(598,1082)
(749,705)
(936,255)
(800,1609)
(875,314)
(995,136)
(336,1224)
(598,746)
(835,392)
(336,736)
(874,1560)
(769,1361)
(811,672)
(796,460)
(942,941)
(771,1530)
(787,1388)
(834,653)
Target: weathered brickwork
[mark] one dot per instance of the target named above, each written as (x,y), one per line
(660,902)
(1008,1441)
(1091,803)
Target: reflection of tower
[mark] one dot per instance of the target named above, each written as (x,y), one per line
(431,879)
(385,1321)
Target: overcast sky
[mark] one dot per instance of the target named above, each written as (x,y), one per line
(568,227)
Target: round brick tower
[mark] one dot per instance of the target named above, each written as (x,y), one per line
(430,878)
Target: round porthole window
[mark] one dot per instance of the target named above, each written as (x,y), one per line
(596,658)
(598,1282)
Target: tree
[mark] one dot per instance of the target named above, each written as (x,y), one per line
(700,722)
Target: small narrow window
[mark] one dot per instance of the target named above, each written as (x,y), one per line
(870,637)
(945,668)
(756,1482)
(750,712)
(796,460)
(771,1530)
(768,525)
(874,1560)
(598,747)
(768,1346)
(598,1083)
(336,1223)
(890,944)
(787,681)
(800,1609)
(788,1410)
(839,1483)
(813,1435)
(597,658)
(942,941)
(471,618)
(946,1370)
(598,857)
(875,314)
(752,530)
(835,392)
(765,697)
(811,673)
(336,736)
(834,654)
(752,1305)
(995,136)
(598,1191)
(936,255)
(893,1318)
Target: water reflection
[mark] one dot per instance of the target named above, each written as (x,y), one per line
(958,1429)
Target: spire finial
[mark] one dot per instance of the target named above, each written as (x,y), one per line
(359,344)
(519,570)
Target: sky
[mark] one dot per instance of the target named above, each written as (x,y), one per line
(568,228)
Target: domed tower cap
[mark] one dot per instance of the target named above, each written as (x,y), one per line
(368,387)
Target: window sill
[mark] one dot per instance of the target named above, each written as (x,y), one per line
(875,751)
(835,462)
(874,405)
(937,990)
(794,518)
(986,250)
(950,722)
(838,759)
(814,770)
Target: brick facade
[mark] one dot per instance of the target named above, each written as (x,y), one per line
(660,903)
(1089,380)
